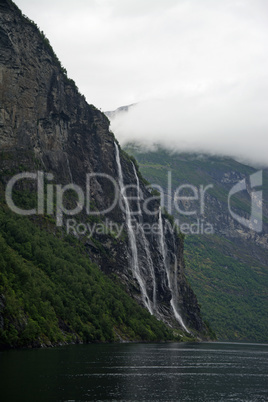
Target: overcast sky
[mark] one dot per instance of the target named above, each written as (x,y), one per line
(197,68)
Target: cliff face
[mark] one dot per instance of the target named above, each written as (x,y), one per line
(46,125)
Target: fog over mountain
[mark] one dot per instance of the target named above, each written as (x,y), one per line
(208,124)
(197,69)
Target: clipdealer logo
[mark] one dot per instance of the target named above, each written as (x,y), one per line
(255,220)
(50,200)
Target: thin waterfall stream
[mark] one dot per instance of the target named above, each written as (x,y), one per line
(163,250)
(132,237)
(146,243)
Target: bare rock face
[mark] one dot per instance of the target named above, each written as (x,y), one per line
(46,125)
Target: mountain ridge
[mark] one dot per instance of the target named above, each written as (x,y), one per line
(48,128)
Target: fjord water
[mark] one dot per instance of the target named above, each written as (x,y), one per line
(136,372)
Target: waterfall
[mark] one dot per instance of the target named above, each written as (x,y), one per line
(137,180)
(69,169)
(65,153)
(162,242)
(131,235)
(145,242)
(171,284)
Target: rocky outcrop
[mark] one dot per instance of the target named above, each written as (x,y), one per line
(46,125)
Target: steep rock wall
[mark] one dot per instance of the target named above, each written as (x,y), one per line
(45,124)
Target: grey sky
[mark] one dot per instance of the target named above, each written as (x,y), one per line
(199,68)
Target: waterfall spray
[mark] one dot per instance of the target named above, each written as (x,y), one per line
(131,235)
(172,287)
(145,242)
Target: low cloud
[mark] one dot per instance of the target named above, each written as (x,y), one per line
(228,118)
(196,69)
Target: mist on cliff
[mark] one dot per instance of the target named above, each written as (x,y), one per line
(197,70)
(220,121)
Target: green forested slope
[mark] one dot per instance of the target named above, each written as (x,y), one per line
(50,292)
(228,275)
(232,293)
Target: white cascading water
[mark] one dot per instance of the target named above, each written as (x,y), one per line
(146,243)
(131,234)
(173,291)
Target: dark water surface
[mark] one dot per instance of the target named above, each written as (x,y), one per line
(136,372)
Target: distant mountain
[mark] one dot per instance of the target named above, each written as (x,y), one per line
(228,269)
(119,110)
